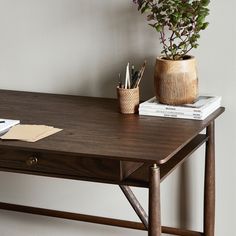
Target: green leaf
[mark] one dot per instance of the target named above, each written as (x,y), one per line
(205,2)
(146,8)
(204,26)
(195,45)
(177,34)
(158,28)
(193,39)
(200,19)
(182,45)
(184,18)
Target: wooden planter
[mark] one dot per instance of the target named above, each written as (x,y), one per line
(176,82)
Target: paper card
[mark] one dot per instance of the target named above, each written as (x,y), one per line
(44,135)
(29,133)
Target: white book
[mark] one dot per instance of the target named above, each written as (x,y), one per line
(168,115)
(205,112)
(199,106)
(149,112)
(144,113)
(6,124)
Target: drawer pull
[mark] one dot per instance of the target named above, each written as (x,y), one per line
(32,161)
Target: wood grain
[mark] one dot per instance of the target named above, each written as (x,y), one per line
(92,127)
(72,216)
(135,204)
(176,82)
(92,219)
(141,175)
(209,193)
(63,165)
(154,209)
(99,144)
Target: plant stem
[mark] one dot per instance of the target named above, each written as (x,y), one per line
(171,44)
(163,42)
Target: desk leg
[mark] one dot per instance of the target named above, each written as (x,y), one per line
(154,228)
(209,191)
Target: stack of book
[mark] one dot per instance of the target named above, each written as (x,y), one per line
(199,110)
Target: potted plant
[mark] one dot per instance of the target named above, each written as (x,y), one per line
(179,23)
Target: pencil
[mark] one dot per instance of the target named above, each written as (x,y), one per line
(141,72)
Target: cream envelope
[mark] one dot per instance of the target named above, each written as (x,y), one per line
(44,135)
(30,133)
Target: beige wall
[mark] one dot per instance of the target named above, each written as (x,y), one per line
(78,47)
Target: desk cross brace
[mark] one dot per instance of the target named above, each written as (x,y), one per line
(93,219)
(154,212)
(152,221)
(102,220)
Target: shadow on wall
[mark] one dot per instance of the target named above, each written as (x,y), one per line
(63,48)
(184,198)
(130,43)
(107,87)
(64,227)
(121,35)
(191,192)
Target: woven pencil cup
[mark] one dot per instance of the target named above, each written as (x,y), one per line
(128,100)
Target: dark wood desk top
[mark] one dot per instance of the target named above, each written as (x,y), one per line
(92,127)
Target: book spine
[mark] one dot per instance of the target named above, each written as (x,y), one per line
(176,112)
(171,108)
(145,113)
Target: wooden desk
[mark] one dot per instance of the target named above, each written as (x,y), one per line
(99,144)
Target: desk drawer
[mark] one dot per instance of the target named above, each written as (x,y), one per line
(66,165)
